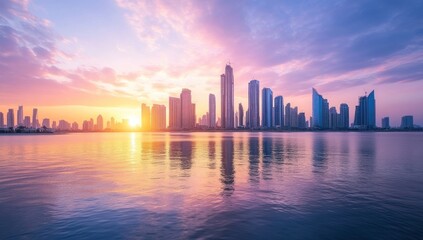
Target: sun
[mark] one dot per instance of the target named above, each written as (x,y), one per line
(133,122)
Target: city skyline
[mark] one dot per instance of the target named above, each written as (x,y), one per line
(82,68)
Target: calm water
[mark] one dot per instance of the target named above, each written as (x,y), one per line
(212,185)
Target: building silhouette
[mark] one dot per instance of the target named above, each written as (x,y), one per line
(158,117)
(302,124)
(253,104)
(175,116)
(212,111)
(145,117)
(186,109)
(288,115)
(407,122)
(385,123)
(267,108)
(46,123)
(1,120)
(227,98)
(279,112)
(10,118)
(344,116)
(333,118)
(320,109)
(241,115)
(100,126)
(20,116)
(34,118)
(365,112)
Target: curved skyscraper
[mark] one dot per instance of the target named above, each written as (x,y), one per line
(227,98)
(365,112)
(320,111)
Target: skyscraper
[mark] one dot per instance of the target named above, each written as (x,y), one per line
(186,109)
(288,115)
(294,117)
(385,123)
(34,118)
(20,115)
(333,118)
(145,117)
(10,118)
(100,126)
(320,109)
(227,98)
(241,115)
(174,113)
(212,111)
(253,104)
(267,108)
(365,112)
(344,116)
(158,117)
(279,113)
(302,120)
(1,120)
(193,115)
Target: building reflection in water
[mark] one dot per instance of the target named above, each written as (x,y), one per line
(254,156)
(227,167)
(366,151)
(267,144)
(181,151)
(320,153)
(212,154)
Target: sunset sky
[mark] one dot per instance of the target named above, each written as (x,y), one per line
(76,59)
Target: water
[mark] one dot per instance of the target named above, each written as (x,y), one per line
(212,186)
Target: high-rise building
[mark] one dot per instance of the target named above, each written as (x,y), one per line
(10,118)
(247,119)
(34,118)
(294,117)
(158,117)
(145,117)
(212,111)
(20,116)
(365,112)
(112,122)
(100,126)
(236,120)
(302,120)
(333,118)
(241,115)
(267,108)
(27,121)
(320,109)
(385,123)
(1,120)
(186,109)
(174,113)
(75,126)
(407,122)
(227,98)
(344,117)
(288,115)
(253,104)
(54,125)
(193,115)
(279,113)
(46,123)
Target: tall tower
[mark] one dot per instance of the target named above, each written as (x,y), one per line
(186,109)
(344,115)
(145,117)
(34,118)
(174,113)
(320,111)
(212,111)
(100,126)
(253,104)
(20,115)
(227,98)
(10,118)
(267,108)
(279,113)
(241,115)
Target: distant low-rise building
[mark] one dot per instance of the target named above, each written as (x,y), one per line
(407,122)
(385,123)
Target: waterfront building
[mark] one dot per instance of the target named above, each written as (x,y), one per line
(34,118)
(407,122)
(100,126)
(212,111)
(344,116)
(1,120)
(267,108)
(10,118)
(175,113)
(253,104)
(333,118)
(46,123)
(365,112)
(158,117)
(227,98)
(302,123)
(186,109)
(288,115)
(385,123)
(241,115)
(320,109)
(279,112)
(145,117)
(20,116)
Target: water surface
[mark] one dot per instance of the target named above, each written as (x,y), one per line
(212,186)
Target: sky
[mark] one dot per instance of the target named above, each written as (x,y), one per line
(76,59)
